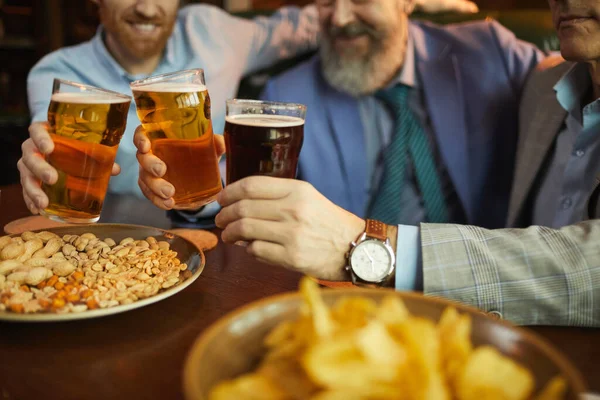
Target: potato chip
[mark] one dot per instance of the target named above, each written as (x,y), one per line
(339,364)
(455,339)
(250,387)
(379,347)
(280,334)
(392,311)
(337,395)
(422,344)
(323,325)
(287,374)
(554,390)
(353,312)
(489,375)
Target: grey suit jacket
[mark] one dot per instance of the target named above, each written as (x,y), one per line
(531,276)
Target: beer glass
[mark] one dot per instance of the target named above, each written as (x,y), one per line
(86,125)
(175,112)
(263,138)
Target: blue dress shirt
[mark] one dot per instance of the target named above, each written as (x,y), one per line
(575,158)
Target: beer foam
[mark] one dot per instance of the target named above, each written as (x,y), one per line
(170,87)
(265,120)
(87,98)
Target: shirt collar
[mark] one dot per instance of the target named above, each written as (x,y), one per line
(572,87)
(168,59)
(408,74)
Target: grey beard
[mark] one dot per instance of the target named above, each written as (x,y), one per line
(359,77)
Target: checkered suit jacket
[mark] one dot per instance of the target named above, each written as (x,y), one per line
(531,276)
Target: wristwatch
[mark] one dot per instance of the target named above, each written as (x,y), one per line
(371,260)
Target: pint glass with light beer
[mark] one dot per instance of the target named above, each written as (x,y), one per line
(86,125)
(175,112)
(263,138)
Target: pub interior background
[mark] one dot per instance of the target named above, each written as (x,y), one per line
(29,29)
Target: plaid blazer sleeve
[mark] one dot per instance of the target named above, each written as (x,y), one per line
(533,276)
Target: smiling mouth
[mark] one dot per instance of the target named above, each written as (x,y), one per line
(144,27)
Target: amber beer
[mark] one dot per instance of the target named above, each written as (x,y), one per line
(176,118)
(86,128)
(262,145)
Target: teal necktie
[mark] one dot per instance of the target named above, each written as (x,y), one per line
(409,142)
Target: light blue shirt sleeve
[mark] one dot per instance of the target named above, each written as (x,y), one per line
(409,275)
(259,42)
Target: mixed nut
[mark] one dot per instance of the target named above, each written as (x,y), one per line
(42,272)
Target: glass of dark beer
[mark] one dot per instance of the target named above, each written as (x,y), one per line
(263,138)
(174,109)
(86,124)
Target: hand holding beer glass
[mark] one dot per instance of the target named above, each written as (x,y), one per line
(86,125)
(174,110)
(263,138)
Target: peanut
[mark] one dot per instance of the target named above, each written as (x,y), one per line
(45,236)
(37,275)
(39,262)
(44,303)
(18,277)
(79,308)
(63,268)
(88,236)
(5,241)
(31,246)
(126,241)
(49,249)
(8,266)
(12,251)
(26,236)
(68,249)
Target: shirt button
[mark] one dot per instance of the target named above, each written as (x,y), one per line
(579,153)
(566,203)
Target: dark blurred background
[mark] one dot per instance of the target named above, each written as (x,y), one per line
(29,29)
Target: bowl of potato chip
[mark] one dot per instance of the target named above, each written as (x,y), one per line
(346,344)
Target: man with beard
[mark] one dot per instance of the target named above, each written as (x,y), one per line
(462,85)
(138,38)
(545,274)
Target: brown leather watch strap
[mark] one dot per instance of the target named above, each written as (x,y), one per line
(376,229)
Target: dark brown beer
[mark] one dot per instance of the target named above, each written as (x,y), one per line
(262,145)
(176,118)
(86,130)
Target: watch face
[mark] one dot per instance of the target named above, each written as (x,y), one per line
(371,261)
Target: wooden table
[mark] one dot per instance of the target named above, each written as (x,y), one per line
(140,354)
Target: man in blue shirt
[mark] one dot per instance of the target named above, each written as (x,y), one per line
(140,38)
(537,275)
